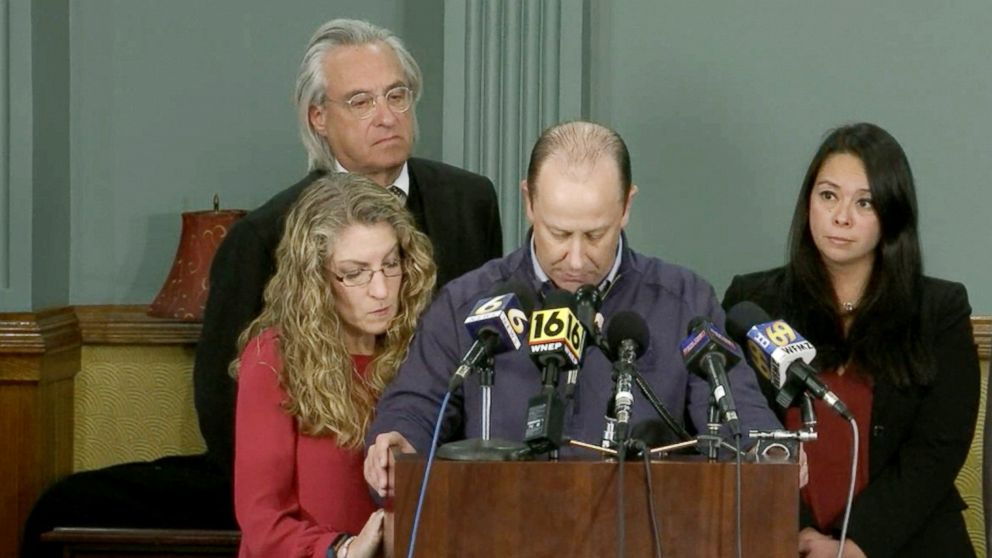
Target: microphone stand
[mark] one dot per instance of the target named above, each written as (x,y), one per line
(484,448)
(625,400)
(486,385)
(712,430)
(659,408)
(783,445)
(615,431)
(609,431)
(711,441)
(614,439)
(808,412)
(545,420)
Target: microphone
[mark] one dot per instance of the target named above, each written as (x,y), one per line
(498,323)
(708,353)
(780,354)
(556,341)
(588,300)
(629,334)
(556,338)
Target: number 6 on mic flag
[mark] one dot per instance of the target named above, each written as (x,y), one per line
(497,324)
(503,315)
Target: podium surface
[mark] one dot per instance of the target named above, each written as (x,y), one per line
(568,508)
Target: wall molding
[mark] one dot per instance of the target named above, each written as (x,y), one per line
(51,330)
(511,69)
(114,324)
(39,332)
(131,325)
(110,324)
(982,326)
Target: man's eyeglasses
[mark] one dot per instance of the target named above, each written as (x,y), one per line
(361,277)
(363,105)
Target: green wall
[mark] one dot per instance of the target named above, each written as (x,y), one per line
(162,104)
(174,101)
(34,154)
(51,226)
(723,104)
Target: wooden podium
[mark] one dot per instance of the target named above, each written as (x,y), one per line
(568,508)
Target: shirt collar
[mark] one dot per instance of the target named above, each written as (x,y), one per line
(402,181)
(603,286)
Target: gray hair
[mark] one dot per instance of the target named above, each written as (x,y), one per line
(311,85)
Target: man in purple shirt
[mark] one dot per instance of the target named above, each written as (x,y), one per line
(578,196)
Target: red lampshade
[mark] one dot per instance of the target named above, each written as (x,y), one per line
(184,294)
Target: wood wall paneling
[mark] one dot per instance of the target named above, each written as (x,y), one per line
(39,355)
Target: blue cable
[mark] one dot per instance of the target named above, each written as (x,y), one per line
(427,475)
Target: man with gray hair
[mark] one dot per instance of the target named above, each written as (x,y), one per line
(578,194)
(356,97)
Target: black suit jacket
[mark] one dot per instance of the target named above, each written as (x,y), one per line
(919,435)
(457,209)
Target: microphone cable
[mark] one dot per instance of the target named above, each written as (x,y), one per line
(621,450)
(427,475)
(737,494)
(850,488)
(652,514)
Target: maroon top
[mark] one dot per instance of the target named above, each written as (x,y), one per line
(293,494)
(830,455)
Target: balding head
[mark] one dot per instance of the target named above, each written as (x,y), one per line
(578,196)
(580,146)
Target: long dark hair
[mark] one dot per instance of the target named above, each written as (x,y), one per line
(884,337)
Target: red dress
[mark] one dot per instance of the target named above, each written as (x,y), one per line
(293,494)
(829,457)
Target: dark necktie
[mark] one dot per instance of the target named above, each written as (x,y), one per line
(399,193)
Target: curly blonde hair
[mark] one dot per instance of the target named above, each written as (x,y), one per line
(324,392)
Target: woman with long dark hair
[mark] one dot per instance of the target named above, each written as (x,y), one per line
(894,344)
(353,275)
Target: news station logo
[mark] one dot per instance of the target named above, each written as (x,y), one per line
(557,329)
(773,344)
(504,309)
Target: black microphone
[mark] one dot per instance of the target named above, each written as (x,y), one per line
(782,355)
(556,337)
(588,300)
(556,342)
(628,334)
(498,323)
(708,353)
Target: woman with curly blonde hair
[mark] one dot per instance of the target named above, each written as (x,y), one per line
(353,275)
